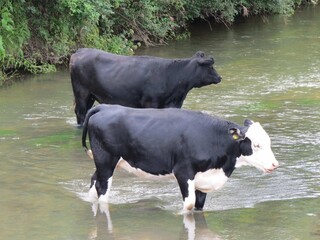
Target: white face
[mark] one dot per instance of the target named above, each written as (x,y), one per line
(262,156)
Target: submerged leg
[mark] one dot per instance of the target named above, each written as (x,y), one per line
(105,165)
(200,199)
(187,188)
(103,183)
(93,195)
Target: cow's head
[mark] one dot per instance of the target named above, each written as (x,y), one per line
(255,147)
(205,74)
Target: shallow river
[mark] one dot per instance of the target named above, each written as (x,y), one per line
(271,74)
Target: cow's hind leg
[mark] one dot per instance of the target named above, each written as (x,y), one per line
(200,199)
(102,178)
(93,195)
(83,102)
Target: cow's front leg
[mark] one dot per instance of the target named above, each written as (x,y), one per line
(200,199)
(187,188)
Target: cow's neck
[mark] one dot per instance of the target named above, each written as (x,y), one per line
(180,73)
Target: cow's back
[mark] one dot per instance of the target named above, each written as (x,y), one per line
(183,131)
(117,79)
(89,57)
(85,60)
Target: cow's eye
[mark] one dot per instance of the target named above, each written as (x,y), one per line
(257,146)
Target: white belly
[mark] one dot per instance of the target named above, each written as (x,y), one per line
(210,180)
(207,181)
(140,173)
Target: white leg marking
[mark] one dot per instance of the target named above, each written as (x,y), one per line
(92,194)
(190,201)
(105,197)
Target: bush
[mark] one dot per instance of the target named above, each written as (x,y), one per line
(37,35)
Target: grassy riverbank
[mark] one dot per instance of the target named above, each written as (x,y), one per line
(35,36)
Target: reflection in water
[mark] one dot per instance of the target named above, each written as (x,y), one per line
(104,210)
(194,226)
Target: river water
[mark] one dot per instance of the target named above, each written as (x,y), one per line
(271,74)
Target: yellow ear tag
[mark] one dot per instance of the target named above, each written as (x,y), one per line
(235,136)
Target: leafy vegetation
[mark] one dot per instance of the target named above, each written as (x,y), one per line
(35,35)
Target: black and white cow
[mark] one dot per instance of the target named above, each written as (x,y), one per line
(201,151)
(136,81)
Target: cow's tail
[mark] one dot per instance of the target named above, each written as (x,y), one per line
(91,112)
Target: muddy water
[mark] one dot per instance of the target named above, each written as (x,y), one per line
(270,73)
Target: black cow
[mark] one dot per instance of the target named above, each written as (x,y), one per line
(201,151)
(136,81)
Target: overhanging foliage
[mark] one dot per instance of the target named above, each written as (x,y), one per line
(37,35)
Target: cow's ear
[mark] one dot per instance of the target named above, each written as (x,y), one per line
(236,134)
(206,61)
(199,54)
(248,122)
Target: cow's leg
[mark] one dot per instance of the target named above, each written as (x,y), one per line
(104,178)
(200,199)
(93,195)
(93,179)
(187,188)
(83,102)
(105,165)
